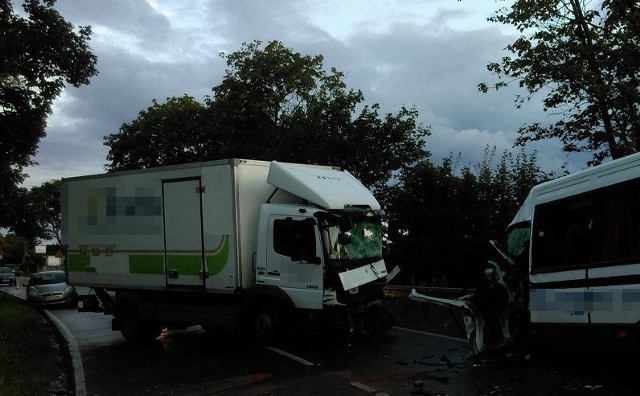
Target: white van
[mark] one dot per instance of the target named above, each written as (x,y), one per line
(578,238)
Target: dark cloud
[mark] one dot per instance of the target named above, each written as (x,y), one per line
(134,18)
(147,50)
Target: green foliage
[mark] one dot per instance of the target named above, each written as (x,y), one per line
(586,60)
(46,208)
(170,133)
(38,218)
(273,104)
(41,52)
(441,220)
(14,249)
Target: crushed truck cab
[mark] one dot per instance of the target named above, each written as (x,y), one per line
(255,245)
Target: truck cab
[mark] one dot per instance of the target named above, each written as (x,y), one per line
(324,260)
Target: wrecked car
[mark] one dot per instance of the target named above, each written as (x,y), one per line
(495,312)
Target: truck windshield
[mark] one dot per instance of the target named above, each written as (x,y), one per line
(363,241)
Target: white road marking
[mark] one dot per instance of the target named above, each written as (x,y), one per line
(368,389)
(291,356)
(432,334)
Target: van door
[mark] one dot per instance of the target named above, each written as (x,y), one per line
(184,260)
(294,259)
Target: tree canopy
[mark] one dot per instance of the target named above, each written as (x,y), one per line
(167,133)
(40,52)
(274,104)
(585,58)
(46,210)
(441,218)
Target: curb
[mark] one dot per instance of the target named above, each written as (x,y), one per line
(74,351)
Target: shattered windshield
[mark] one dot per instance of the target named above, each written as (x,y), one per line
(362,241)
(518,240)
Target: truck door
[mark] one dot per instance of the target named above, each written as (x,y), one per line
(184,263)
(294,259)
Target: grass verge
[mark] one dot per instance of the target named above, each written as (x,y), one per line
(32,361)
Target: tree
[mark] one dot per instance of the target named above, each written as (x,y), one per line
(39,53)
(46,209)
(276,104)
(441,219)
(14,249)
(587,62)
(170,133)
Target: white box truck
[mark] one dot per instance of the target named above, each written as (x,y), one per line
(232,244)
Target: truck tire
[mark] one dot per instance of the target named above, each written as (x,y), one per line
(133,328)
(383,323)
(266,321)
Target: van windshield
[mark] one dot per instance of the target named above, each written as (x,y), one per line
(362,241)
(518,240)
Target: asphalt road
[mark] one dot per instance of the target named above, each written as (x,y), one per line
(405,362)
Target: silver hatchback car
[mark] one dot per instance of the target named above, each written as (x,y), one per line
(50,288)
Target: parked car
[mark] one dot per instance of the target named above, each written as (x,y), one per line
(50,288)
(7,276)
(15,268)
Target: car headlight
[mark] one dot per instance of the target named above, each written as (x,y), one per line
(32,291)
(69,290)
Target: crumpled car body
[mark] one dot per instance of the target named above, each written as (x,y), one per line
(496,313)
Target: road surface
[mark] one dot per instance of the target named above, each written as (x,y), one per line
(405,362)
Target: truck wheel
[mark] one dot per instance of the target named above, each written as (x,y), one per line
(133,328)
(266,323)
(383,323)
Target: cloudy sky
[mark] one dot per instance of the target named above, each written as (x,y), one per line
(430,54)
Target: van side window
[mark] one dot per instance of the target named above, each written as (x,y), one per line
(601,227)
(564,234)
(295,238)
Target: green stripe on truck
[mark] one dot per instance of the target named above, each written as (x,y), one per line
(146,264)
(185,265)
(79,263)
(216,262)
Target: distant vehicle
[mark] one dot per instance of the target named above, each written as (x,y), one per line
(7,276)
(50,288)
(571,265)
(14,267)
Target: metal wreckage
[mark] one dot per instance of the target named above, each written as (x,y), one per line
(494,314)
